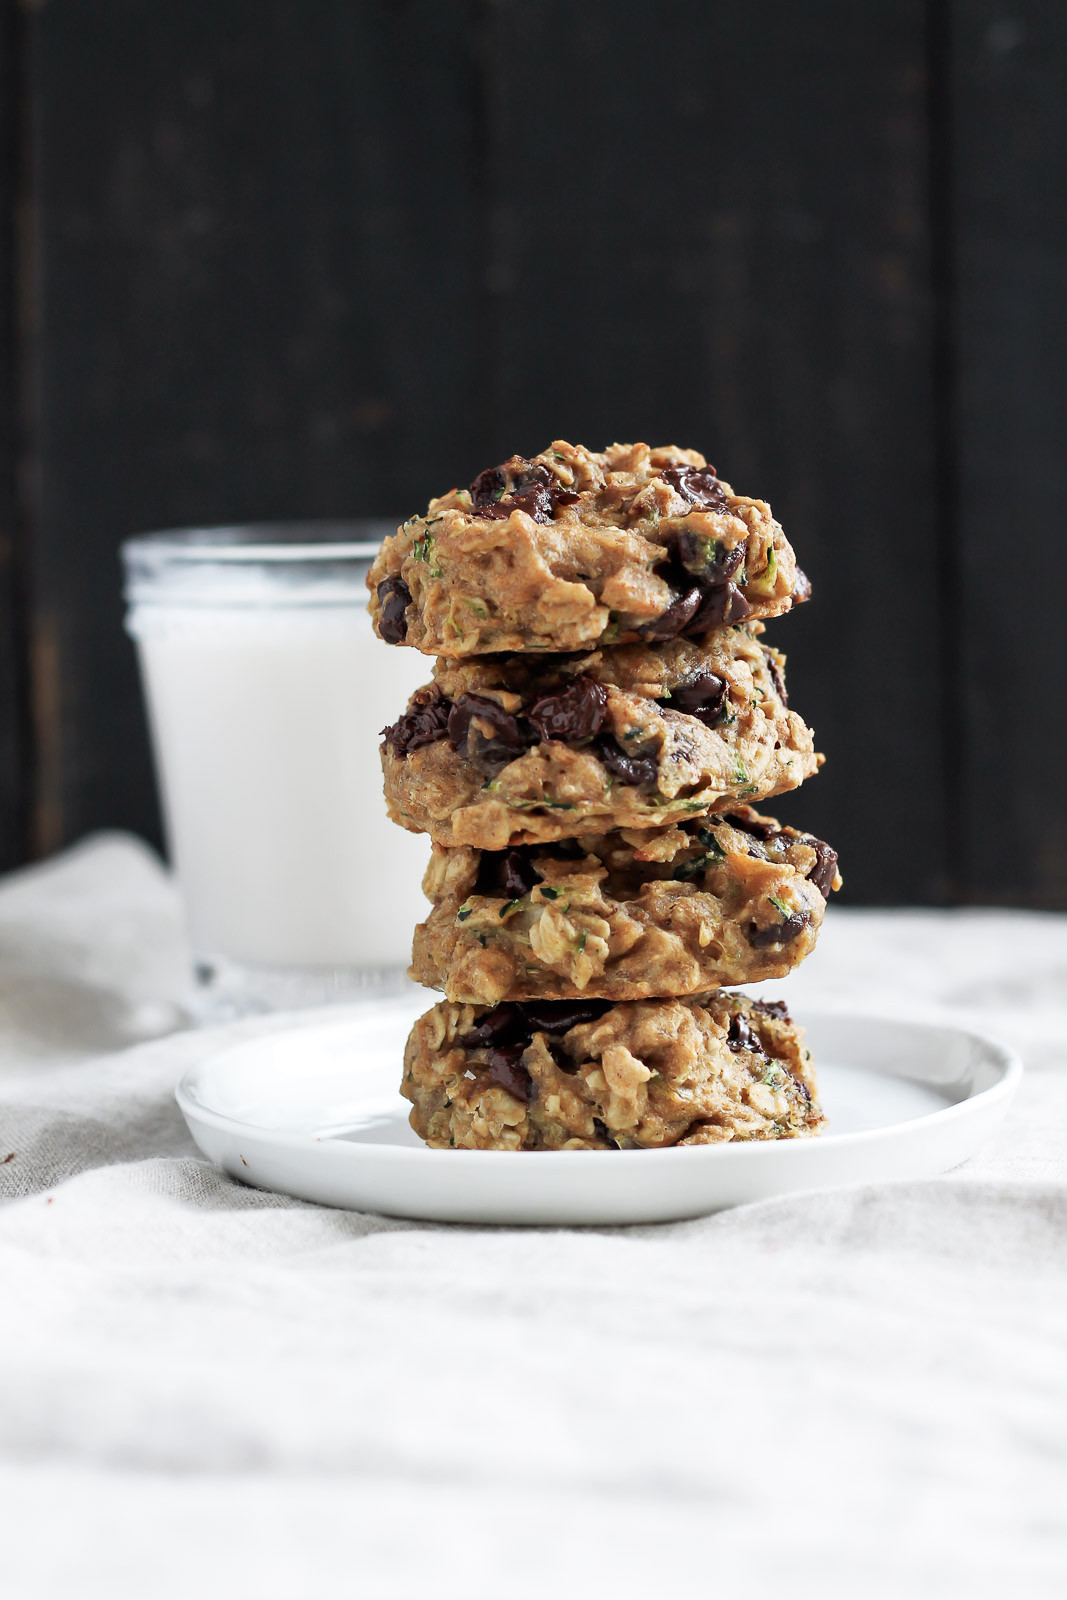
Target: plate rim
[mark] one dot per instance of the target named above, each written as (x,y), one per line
(1005,1056)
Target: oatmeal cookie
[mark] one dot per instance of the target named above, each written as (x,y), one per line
(677,910)
(588,1075)
(505,750)
(576,548)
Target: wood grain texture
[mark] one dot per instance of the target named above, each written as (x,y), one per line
(259,245)
(724,243)
(1009,161)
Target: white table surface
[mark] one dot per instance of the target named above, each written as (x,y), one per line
(209,1390)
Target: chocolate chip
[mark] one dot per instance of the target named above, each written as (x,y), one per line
(772,1008)
(750,821)
(825,869)
(698,485)
(505,1024)
(507,740)
(496,492)
(739,1035)
(703,697)
(721,605)
(506,1068)
(678,615)
(776,676)
(699,603)
(782,932)
(394,597)
(425,723)
(801,588)
(488,488)
(709,559)
(519,875)
(632,770)
(535,500)
(559,1016)
(506,874)
(519,485)
(574,714)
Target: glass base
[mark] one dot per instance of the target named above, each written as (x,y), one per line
(226,990)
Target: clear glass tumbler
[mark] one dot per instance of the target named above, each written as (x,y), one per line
(266,690)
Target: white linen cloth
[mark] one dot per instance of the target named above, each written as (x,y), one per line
(205,1389)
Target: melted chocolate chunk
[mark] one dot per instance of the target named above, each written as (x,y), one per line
(698,485)
(772,1008)
(709,559)
(703,697)
(750,821)
(519,485)
(677,617)
(699,570)
(776,676)
(509,1027)
(394,597)
(721,605)
(632,770)
(507,740)
(559,1016)
(425,723)
(739,1035)
(782,932)
(535,500)
(506,1068)
(519,875)
(505,1024)
(823,872)
(508,873)
(574,714)
(487,490)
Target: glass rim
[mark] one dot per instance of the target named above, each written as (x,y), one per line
(322,562)
(237,544)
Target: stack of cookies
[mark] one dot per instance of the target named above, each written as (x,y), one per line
(603,717)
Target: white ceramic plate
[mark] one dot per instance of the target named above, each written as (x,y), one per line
(313,1111)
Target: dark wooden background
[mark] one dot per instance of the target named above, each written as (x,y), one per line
(325,257)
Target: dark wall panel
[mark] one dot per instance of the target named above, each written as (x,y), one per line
(729,248)
(255,224)
(1010,182)
(14,763)
(300,260)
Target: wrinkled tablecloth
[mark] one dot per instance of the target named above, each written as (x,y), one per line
(209,1390)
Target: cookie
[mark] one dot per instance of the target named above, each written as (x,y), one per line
(588,1075)
(733,898)
(575,548)
(506,750)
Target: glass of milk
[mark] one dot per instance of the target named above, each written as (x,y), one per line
(267,690)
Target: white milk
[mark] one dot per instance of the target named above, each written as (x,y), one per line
(266,721)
